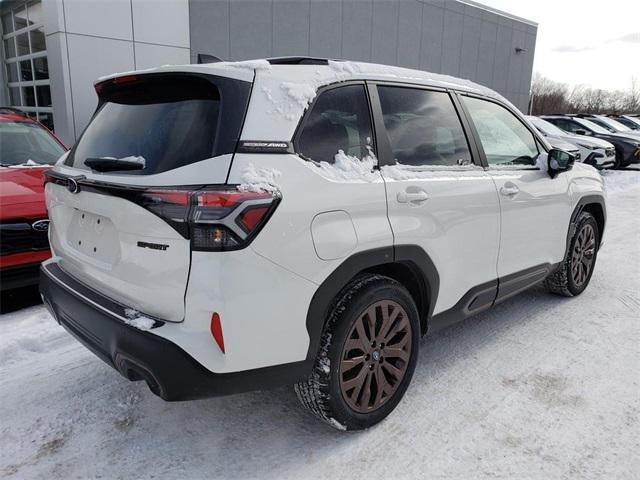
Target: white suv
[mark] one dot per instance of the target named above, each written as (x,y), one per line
(236,226)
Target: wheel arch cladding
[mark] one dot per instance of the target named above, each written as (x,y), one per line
(595,205)
(408,264)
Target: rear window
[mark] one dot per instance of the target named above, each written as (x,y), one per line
(168,120)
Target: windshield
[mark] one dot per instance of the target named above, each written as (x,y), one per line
(23,143)
(617,126)
(629,123)
(163,122)
(591,126)
(546,127)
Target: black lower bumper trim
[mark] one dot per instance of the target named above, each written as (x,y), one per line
(170,372)
(19,276)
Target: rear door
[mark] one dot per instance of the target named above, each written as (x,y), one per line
(439,197)
(122,228)
(535,209)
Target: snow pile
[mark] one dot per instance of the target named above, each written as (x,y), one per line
(405,172)
(135,319)
(619,180)
(259,179)
(348,168)
(260,64)
(301,93)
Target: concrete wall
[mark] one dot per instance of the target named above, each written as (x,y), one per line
(444,36)
(90,38)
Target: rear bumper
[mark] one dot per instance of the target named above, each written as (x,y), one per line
(170,372)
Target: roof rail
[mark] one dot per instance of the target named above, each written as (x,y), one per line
(13,110)
(299,61)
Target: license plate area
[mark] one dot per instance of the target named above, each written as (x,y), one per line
(94,237)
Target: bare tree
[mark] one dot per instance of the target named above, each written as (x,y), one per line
(550,97)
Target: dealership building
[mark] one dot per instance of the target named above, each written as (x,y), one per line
(53,50)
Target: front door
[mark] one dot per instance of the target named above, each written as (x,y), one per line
(535,209)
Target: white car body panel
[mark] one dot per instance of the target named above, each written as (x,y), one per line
(534,219)
(472,232)
(460,218)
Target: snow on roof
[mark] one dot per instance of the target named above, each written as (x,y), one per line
(333,71)
(282,91)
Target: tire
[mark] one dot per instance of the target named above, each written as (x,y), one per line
(574,273)
(344,359)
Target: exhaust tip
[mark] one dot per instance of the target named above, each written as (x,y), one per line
(133,371)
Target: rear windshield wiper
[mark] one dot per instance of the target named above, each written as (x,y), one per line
(110,164)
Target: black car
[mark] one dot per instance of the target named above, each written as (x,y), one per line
(627,146)
(627,121)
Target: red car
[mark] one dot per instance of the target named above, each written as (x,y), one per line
(27,149)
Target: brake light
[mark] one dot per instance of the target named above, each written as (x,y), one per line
(214,219)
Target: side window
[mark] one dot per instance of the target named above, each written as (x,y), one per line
(423,127)
(505,139)
(339,120)
(568,126)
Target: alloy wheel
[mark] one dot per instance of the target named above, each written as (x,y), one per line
(582,255)
(375,356)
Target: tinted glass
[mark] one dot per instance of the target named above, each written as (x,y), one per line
(169,121)
(602,124)
(583,122)
(423,127)
(7,23)
(25,70)
(43,94)
(22,41)
(504,138)
(22,142)
(10,47)
(339,120)
(37,40)
(41,68)
(28,97)
(20,18)
(12,72)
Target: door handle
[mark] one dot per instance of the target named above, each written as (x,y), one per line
(509,191)
(414,197)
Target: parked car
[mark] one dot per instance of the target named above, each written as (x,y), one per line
(628,121)
(340,212)
(611,125)
(627,146)
(27,150)
(592,151)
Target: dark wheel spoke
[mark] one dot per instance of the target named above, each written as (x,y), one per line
(583,254)
(375,356)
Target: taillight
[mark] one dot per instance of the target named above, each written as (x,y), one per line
(214,219)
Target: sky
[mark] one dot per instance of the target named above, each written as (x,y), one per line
(590,42)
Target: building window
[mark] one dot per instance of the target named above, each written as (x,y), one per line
(24,58)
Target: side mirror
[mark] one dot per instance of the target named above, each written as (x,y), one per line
(582,132)
(559,161)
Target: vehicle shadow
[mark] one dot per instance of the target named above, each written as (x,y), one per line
(19,298)
(268,435)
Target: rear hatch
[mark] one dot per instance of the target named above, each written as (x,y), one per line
(119,203)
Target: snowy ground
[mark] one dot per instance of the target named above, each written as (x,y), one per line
(541,387)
